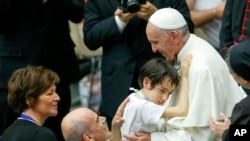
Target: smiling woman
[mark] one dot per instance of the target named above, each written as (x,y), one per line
(32,94)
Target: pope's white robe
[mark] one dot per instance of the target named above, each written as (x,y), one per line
(212,90)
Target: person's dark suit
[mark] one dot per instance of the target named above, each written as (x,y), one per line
(232,20)
(23,130)
(240,116)
(123,53)
(36,32)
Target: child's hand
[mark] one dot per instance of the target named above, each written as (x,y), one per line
(185,65)
(118,119)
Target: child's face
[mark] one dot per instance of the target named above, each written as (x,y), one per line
(160,93)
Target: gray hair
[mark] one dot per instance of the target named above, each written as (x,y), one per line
(182,31)
(77,131)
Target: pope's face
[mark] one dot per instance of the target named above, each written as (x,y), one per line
(161,42)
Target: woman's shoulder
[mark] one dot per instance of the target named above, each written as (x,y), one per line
(45,133)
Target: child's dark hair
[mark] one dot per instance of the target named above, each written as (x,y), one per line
(157,69)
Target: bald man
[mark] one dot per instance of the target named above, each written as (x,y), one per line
(85,125)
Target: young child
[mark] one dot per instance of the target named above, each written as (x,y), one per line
(157,79)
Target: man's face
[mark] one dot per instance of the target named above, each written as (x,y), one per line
(240,80)
(98,128)
(161,42)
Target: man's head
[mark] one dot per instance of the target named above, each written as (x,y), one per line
(239,63)
(167,32)
(83,124)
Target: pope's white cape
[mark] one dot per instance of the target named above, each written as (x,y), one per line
(212,90)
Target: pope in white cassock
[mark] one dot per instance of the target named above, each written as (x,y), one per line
(212,89)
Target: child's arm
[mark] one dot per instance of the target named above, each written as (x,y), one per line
(181,109)
(117,121)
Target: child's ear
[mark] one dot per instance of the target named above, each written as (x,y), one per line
(146,83)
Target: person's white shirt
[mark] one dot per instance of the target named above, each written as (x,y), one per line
(211,29)
(142,115)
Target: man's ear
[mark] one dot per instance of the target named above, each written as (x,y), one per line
(248,83)
(175,36)
(87,137)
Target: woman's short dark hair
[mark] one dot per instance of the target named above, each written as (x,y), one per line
(29,83)
(157,69)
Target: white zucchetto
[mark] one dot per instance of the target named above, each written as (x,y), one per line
(167,18)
